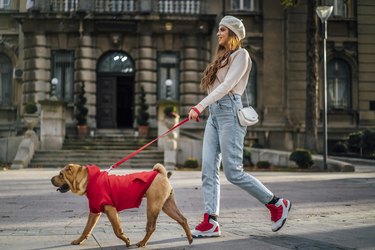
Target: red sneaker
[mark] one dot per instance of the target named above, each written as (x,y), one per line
(279,213)
(207,228)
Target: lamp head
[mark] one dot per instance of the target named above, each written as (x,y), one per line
(324,12)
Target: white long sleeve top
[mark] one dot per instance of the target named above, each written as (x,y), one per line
(231,78)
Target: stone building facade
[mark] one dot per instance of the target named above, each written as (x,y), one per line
(115,46)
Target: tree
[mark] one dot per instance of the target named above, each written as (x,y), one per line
(312,74)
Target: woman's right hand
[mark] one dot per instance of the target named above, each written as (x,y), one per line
(194,114)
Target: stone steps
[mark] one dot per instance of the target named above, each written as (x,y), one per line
(101,151)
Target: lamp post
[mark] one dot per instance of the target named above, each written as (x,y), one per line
(324,13)
(54,83)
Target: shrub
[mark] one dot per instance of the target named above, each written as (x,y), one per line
(247,157)
(257,145)
(302,158)
(340,148)
(143,115)
(362,142)
(355,141)
(170,111)
(31,108)
(264,164)
(191,163)
(81,110)
(368,141)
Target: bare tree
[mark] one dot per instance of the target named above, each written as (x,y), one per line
(312,74)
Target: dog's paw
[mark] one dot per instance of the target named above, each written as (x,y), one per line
(141,244)
(76,242)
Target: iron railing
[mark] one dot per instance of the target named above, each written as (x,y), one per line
(184,7)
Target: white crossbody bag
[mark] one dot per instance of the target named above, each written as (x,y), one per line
(247,116)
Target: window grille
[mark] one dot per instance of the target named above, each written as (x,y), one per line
(339,85)
(341,8)
(248,5)
(116,61)
(6,69)
(168,72)
(63,71)
(251,87)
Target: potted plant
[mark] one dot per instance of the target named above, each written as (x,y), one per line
(171,116)
(31,116)
(81,112)
(143,115)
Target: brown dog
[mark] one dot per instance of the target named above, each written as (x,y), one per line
(112,193)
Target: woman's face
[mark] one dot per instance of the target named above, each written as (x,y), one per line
(223,35)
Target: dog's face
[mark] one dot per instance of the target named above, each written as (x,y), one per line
(72,177)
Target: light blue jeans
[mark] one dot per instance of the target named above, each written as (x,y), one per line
(224,140)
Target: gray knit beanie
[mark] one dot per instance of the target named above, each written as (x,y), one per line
(235,25)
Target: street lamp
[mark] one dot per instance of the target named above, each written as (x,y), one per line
(54,83)
(324,13)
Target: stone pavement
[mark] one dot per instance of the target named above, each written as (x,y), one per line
(330,211)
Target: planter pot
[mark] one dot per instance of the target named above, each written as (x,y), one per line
(31,120)
(82,131)
(143,130)
(170,122)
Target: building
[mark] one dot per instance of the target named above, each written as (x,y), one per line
(115,46)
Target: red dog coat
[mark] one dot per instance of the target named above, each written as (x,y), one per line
(122,192)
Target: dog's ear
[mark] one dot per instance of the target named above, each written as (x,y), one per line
(69,168)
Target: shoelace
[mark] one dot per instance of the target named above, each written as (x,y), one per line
(275,212)
(202,225)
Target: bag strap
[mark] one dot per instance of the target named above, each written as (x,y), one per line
(247,98)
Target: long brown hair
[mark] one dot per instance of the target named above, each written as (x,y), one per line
(221,60)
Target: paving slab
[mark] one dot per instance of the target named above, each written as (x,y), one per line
(330,211)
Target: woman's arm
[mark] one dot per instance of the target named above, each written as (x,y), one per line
(237,69)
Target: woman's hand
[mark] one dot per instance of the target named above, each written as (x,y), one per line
(194,114)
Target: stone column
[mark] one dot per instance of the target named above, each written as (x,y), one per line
(146,74)
(194,58)
(36,68)
(85,66)
(52,124)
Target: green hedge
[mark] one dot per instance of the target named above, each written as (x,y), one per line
(302,158)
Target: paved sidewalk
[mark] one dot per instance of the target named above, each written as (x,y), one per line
(330,211)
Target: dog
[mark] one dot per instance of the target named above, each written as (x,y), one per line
(111,194)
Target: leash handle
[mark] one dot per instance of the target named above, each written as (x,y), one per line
(145,146)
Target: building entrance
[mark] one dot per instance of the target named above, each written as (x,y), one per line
(115,91)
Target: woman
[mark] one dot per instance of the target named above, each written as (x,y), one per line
(225,81)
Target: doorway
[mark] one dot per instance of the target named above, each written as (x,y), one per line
(115,99)
(115,91)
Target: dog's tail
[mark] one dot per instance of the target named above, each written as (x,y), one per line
(161,169)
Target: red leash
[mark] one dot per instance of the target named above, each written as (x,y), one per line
(145,146)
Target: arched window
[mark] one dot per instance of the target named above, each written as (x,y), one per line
(116,61)
(5,80)
(251,88)
(339,85)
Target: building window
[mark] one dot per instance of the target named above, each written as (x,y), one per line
(6,69)
(248,5)
(168,72)
(116,61)
(339,85)
(341,8)
(63,71)
(4,4)
(251,88)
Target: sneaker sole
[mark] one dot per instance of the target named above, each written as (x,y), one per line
(282,224)
(207,235)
